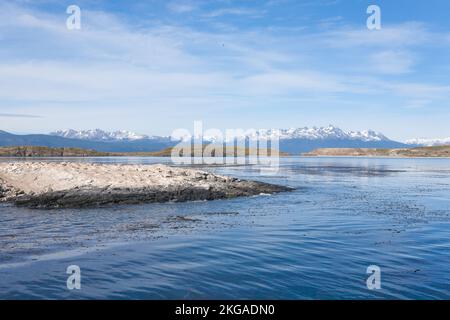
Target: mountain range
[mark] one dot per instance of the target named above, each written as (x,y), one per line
(429,142)
(323,133)
(99,135)
(54,141)
(293,141)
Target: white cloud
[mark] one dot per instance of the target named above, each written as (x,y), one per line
(18,115)
(418,104)
(295,81)
(110,63)
(235,11)
(181,7)
(392,62)
(393,36)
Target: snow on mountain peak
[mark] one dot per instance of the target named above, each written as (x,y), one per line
(429,142)
(367,135)
(314,133)
(329,132)
(99,135)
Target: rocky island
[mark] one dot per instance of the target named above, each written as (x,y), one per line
(78,184)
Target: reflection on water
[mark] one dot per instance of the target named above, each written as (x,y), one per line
(315,242)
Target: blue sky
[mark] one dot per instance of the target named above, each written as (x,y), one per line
(154,66)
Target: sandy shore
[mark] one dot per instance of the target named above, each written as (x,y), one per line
(68,184)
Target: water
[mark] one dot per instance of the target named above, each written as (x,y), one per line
(316,242)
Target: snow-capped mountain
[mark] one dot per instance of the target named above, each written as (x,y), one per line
(429,142)
(314,133)
(299,140)
(294,140)
(323,133)
(99,135)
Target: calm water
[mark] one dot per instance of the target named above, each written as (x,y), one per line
(316,242)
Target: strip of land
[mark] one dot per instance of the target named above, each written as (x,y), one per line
(71,184)
(420,152)
(213,151)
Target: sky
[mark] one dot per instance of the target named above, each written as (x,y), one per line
(154,66)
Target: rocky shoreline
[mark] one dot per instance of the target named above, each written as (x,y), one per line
(77,185)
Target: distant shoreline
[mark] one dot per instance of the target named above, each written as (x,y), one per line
(377,157)
(418,152)
(48,152)
(33,152)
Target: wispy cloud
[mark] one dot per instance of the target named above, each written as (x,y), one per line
(392,36)
(392,62)
(112,64)
(180,59)
(235,12)
(15,115)
(181,7)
